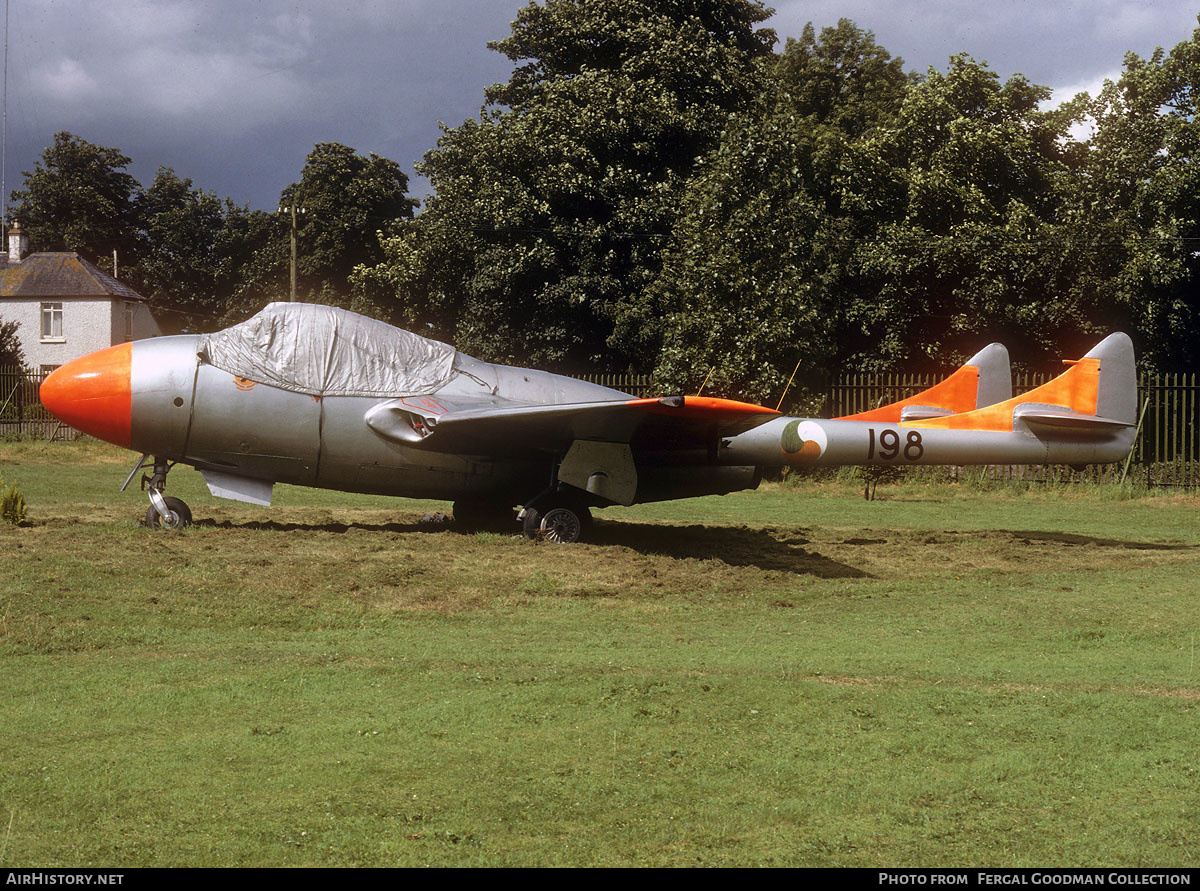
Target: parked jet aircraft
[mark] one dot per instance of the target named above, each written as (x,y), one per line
(318,396)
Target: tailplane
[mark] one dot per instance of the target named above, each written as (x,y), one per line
(1098,393)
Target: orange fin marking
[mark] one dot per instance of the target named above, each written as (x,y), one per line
(956,393)
(1077,388)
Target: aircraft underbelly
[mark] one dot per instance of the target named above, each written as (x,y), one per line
(250,429)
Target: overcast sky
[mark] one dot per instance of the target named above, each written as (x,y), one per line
(234,93)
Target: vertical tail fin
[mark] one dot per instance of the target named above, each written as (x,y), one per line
(1116,395)
(984,379)
(1097,393)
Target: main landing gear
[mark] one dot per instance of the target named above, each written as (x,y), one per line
(556,517)
(165,512)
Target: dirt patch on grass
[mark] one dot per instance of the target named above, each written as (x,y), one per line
(1189,694)
(310,561)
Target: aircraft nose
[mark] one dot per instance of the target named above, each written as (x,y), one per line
(92,394)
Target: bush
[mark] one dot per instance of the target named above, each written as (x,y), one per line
(12,504)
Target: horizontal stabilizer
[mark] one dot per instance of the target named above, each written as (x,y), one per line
(921,412)
(1096,395)
(1063,418)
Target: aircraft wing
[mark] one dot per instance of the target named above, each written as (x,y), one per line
(673,422)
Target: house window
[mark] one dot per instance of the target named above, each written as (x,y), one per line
(52,321)
(129,310)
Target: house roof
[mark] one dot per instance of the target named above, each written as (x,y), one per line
(60,274)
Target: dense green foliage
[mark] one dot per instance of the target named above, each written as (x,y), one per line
(11,354)
(197,249)
(760,271)
(654,189)
(910,221)
(79,198)
(201,260)
(342,202)
(1136,208)
(551,209)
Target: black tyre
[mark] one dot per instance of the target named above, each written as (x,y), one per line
(558,523)
(181,515)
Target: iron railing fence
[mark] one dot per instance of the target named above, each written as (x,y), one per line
(21,410)
(1167,451)
(640,385)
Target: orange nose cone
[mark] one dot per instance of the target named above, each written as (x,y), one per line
(92,394)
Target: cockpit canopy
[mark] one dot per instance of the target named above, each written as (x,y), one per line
(326,351)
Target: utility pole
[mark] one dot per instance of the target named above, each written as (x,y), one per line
(294,210)
(4,129)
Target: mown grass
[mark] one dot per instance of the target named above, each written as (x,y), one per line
(790,677)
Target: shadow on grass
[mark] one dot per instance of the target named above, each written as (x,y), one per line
(1071,538)
(338,528)
(734,545)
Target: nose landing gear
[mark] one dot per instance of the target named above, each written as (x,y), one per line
(165,512)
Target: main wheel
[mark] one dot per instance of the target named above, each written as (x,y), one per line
(180,515)
(559,523)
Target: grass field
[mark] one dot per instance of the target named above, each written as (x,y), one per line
(946,676)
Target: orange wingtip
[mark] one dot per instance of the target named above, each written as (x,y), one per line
(700,407)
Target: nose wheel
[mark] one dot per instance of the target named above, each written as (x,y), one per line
(165,512)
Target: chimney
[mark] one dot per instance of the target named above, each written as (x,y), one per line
(18,244)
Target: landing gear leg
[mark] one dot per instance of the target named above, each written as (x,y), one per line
(165,512)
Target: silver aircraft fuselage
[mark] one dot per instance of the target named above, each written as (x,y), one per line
(316,396)
(245,436)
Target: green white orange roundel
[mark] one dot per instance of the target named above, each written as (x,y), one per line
(803,441)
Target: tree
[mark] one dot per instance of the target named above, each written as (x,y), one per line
(1135,210)
(11,354)
(346,199)
(178,271)
(79,198)
(198,251)
(969,247)
(758,277)
(552,209)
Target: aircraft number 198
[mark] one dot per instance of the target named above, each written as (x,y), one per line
(890,448)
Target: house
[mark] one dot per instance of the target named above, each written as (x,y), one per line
(66,306)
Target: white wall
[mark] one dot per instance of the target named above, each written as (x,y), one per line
(89,324)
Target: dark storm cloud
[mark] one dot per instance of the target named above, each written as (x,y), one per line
(235,94)
(1054,43)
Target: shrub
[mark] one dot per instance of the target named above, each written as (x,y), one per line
(12,504)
